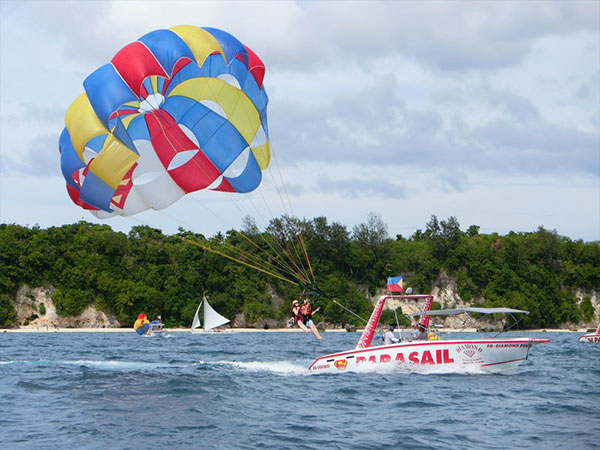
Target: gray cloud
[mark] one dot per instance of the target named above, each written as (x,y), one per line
(443,35)
(375,126)
(364,187)
(39,157)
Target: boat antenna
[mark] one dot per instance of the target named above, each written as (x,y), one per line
(397,323)
(354,314)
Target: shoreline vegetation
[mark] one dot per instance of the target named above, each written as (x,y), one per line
(88,270)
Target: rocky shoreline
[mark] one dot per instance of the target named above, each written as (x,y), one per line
(36,312)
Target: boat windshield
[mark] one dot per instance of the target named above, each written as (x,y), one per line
(454,312)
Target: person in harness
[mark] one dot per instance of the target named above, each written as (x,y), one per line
(297,316)
(306,311)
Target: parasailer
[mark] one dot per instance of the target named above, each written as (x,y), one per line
(177,111)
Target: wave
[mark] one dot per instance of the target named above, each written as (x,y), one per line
(99,364)
(278,367)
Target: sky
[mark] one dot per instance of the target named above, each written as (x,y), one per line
(485,111)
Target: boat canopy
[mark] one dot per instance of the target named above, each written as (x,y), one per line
(454,312)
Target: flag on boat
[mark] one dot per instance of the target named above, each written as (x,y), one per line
(395,284)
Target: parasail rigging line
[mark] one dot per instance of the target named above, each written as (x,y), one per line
(209,249)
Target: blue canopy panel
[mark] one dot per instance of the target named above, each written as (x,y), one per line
(121,134)
(96,143)
(106,92)
(188,71)
(69,159)
(218,139)
(96,192)
(213,66)
(230,45)
(138,129)
(167,47)
(249,179)
(179,106)
(239,71)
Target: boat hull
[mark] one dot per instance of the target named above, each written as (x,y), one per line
(469,355)
(157,333)
(595,338)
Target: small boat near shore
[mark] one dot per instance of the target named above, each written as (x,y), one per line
(595,338)
(487,355)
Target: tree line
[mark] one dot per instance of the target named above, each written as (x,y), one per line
(146,270)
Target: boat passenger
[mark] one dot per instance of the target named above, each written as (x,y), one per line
(389,337)
(307,313)
(419,333)
(156,324)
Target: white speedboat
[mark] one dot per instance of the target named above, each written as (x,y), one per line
(591,337)
(156,329)
(488,355)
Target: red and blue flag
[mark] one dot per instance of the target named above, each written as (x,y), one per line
(395,284)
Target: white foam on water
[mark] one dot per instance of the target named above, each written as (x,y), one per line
(278,367)
(118,365)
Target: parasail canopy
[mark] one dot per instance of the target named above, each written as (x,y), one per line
(177,111)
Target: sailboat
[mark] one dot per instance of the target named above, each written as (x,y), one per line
(591,337)
(212,319)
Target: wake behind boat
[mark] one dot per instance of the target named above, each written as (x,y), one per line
(490,355)
(212,319)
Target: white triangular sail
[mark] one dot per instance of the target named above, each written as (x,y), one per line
(212,319)
(196,323)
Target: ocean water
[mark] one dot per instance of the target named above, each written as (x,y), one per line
(253,391)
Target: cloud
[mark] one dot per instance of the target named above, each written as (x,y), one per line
(367,99)
(361,188)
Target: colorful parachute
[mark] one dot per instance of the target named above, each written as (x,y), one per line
(177,111)
(142,324)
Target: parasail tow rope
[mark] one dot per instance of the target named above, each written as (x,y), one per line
(354,314)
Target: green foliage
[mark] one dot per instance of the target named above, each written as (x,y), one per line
(586,309)
(388,318)
(145,270)
(8,315)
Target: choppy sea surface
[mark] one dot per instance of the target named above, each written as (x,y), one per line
(253,391)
